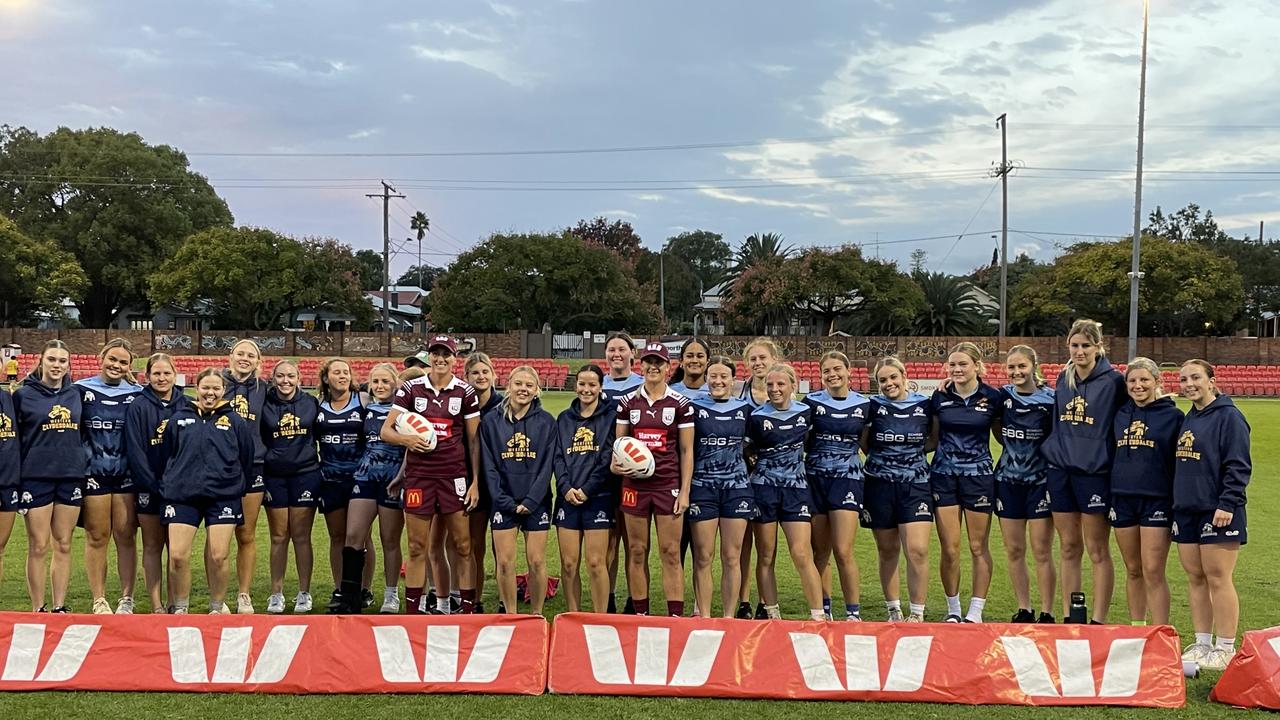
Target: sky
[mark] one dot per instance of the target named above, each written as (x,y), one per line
(867,121)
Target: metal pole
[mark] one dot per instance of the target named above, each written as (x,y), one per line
(662,284)
(1134,274)
(386,196)
(1004,227)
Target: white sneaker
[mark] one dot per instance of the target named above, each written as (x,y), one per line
(851,617)
(1197,653)
(125,606)
(390,602)
(1217,659)
(302,603)
(180,610)
(101,607)
(275,604)
(219,609)
(914,618)
(244,604)
(895,615)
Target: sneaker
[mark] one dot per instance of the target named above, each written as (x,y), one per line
(178,610)
(628,607)
(895,615)
(124,606)
(953,619)
(100,607)
(1045,619)
(219,609)
(366,598)
(436,611)
(244,604)
(390,602)
(914,618)
(159,610)
(429,600)
(761,613)
(455,605)
(1197,653)
(62,609)
(827,617)
(968,621)
(1217,659)
(275,604)
(1023,616)
(302,602)
(502,609)
(744,611)
(336,606)
(43,609)
(853,617)
(479,608)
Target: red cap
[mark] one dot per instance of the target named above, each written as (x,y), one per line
(443,341)
(656,350)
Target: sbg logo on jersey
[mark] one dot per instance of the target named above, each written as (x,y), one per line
(188,664)
(398,663)
(862,663)
(609,665)
(27,646)
(1074,661)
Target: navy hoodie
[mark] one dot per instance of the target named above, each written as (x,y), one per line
(49,430)
(10,453)
(144,427)
(1145,438)
(288,429)
(517,457)
(1081,440)
(1212,464)
(246,399)
(209,455)
(583,448)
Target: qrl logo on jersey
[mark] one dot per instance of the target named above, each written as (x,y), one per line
(27,645)
(652,646)
(398,663)
(187,655)
(861,663)
(1120,674)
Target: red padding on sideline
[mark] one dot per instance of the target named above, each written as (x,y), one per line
(1252,678)
(971,663)
(289,654)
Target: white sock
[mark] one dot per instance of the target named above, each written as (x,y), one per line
(817,614)
(975,609)
(183,604)
(1227,644)
(953,604)
(893,605)
(391,591)
(1204,638)
(916,609)
(772,612)
(442,604)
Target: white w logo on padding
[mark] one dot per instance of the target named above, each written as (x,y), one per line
(63,664)
(1075,668)
(861,663)
(395,654)
(609,667)
(187,658)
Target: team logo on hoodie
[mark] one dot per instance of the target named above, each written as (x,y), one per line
(59,419)
(518,448)
(1135,436)
(290,426)
(159,435)
(240,404)
(584,441)
(1077,411)
(222,423)
(6,428)
(1187,446)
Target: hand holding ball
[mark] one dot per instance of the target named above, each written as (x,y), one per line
(633,456)
(415,425)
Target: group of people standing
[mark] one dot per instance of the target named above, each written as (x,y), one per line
(1102,451)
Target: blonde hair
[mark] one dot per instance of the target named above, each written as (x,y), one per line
(974,353)
(251,343)
(160,358)
(785,369)
(325,388)
(54,345)
(768,344)
(505,405)
(833,355)
(475,359)
(888,361)
(125,345)
(1141,363)
(276,368)
(1030,352)
(1092,331)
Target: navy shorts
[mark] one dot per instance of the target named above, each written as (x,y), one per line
(539,519)
(377,492)
(836,492)
(971,492)
(1020,501)
(1071,492)
(713,503)
(1129,510)
(226,511)
(597,513)
(10,500)
(148,503)
(257,480)
(39,493)
(334,494)
(301,490)
(782,504)
(890,504)
(1196,528)
(96,485)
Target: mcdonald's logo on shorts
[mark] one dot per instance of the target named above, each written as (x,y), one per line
(629,497)
(413,498)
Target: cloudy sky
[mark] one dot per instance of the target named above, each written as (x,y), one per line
(826,122)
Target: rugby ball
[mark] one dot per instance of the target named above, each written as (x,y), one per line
(411,423)
(632,454)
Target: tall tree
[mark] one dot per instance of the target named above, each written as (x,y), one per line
(951,307)
(680,283)
(617,236)
(424,276)
(370,267)
(114,202)
(706,253)
(835,284)
(38,276)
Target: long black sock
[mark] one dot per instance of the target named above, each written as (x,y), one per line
(352,568)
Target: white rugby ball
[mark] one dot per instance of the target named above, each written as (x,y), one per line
(632,454)
(411,423)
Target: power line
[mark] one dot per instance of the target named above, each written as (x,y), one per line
(971,219)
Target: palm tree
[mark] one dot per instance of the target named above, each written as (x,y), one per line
(756,249)
(951,308)
(420,224)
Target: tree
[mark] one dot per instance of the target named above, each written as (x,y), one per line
(950,307)
(988,277)
(918,258)
(835,284)
(114,202)
(331,281)
(37,277)
(420,224)
(704,252)
(370,268)
(1186,225)
(681,284)
(764,297)
(759,248)
(617,236)
(423,276)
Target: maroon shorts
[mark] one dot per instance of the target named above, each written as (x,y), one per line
(434,497)
(646,501)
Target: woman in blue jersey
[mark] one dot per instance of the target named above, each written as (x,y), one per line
(1212,468)
(144,425)
(371,498)
(247,392)
(899,505)
(834,468)
(105,398)
(1146,432)
(619,355)
(758,356)
(10,471)
(1022,495)
(49,414)
(518,447)
(1080,450)
(209,450)
(293,479)
(340,432)
(690,378)
(720,496)
(778,432)
(585,503)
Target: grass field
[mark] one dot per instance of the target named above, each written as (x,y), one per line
(1258,581)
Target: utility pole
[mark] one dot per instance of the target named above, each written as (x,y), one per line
(1003,122)
(1134,274)
(662,283)
(387,193)
(1261,224)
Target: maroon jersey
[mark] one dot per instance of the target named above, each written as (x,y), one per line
(657,423)
(448,411)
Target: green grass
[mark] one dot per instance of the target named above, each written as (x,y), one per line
(1257,579)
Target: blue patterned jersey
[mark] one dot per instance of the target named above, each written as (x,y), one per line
(105,407)
(1025,424)
(381,460)
(688,392)
(837,428)
(746,395)
(898,433)
(614,390)
(964,430)
(720,430)
(778,438)
(341,437)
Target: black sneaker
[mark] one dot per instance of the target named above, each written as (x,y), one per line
(62,609)
(1023,616)
(336,605)
(761,614)
(612,608)
(455,605)
(744,611)
(629,607)
(953,619)
(479,608)
(43,609)
(1091,622)
(502,609)
(431,598)
(366,598)
(1045,618)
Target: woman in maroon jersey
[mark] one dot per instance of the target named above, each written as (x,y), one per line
(441,481)
(663,420)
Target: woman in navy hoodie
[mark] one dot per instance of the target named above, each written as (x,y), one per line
(1079,452)
(1145,432)
(54,461)
(10,466)
(585,504)
(517,444)
(144,427)
(1211,469)
(247,392)
(209,451)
